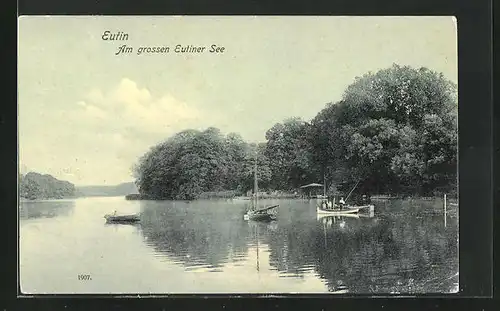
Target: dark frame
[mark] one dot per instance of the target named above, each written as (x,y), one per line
(475,151)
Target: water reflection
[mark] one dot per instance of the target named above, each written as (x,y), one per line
(45,209)
(134,227)
(208,234)
(258,231)
(375,255)
(403,249)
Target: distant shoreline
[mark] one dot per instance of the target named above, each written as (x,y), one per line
(25,200)
(137,196)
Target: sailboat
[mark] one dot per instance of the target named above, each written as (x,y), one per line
(267,213)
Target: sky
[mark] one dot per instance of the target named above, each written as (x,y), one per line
(86,115)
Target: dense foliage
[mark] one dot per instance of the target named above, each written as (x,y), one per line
(37,186)
(290,155)
(394,131)
(192,162)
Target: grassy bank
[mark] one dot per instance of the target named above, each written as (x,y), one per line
(230,194)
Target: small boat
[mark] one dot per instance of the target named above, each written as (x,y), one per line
(114,218)
(341,289)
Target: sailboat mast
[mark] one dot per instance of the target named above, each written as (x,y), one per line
(255,186)
(324,184)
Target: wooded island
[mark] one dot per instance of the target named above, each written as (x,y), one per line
(393,131)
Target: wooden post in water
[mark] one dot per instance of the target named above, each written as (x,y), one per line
(444,207)
(257,243)
(255,185)
(324,185)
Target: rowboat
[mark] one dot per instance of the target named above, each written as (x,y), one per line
(113,218)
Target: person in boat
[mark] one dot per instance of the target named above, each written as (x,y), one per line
(327,203)
(341,203)
(324,204)
(367,199)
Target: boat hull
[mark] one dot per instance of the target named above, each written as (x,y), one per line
(265,217)
(327,216)
(265,214)
(259,216)
(346,211)
(122,218)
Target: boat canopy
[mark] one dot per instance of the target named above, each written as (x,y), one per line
(311,185)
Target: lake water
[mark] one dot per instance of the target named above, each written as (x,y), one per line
(207,247)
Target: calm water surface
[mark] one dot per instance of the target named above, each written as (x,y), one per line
(207,247)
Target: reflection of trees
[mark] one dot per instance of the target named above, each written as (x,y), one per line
(290,249)
(45,209)
(408,251)
(390,254)
(201,233)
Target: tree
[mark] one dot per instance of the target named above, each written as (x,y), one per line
(255,152)
(290,154)
(394,130)
(237,152)
(190,163)
(37,186)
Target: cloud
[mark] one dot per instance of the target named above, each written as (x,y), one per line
(92,111)
(99,137)
(127,107)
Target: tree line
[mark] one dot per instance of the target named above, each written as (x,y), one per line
(35,186)
(393,132)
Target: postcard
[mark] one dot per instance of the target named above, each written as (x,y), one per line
(238,155)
